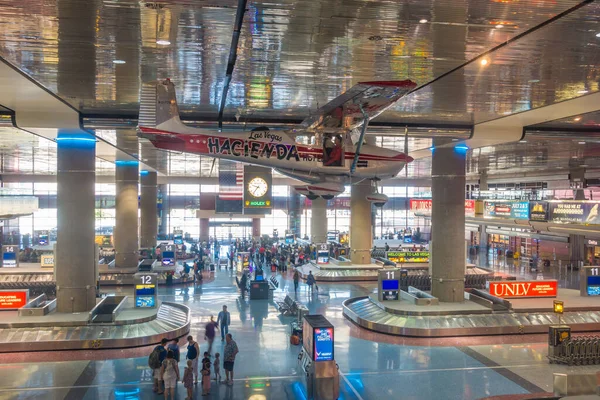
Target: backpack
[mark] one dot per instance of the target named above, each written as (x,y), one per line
(154,359)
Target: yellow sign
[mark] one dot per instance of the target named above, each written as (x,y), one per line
(47,260)
(558,307)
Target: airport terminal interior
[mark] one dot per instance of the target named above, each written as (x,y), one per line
(300,199)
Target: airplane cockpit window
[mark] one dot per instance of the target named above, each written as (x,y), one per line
(333,150)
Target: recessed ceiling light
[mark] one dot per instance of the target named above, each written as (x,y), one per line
(533,80)
(582,91)
(422,21)
(574,157)
(499,26)
(598,34)
(577,119)
(455,140)
(507,112)
(484,61)
(581,142)
(163,42)
(522,141)
(118,61)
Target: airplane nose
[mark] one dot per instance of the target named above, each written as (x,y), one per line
(409,159)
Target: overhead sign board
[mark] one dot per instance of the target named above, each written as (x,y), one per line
(506,209)
(10,256)
(538,211)
(47,260)
(257,187)
(145,290)
(408,256)
(577,212)
(389,285)
(423,206)
(13,299)
(523,289)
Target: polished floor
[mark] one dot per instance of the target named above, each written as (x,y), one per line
(372,365)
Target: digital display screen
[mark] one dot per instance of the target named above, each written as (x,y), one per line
(593,280)
(389,284)
(593,290)
(145,290)
(322,260)
(145,301)
(9,256)
(260,278)
(168,254)
(178,241)
(323,342)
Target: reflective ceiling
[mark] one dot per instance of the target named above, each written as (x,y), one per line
(474,60)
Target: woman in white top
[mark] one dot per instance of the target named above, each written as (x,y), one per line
(169,372)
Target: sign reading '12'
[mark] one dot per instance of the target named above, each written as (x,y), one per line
(519,289)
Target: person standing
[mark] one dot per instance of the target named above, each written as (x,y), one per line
(174,347)
(209,333)
(296,280)
(206,374)
(231,350)
(224,318)
(193,351)
(310,281)
(169,374)
(188,380)
(155,360)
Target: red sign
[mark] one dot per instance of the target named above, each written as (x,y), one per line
(519,289)
(423,206)
(13,299)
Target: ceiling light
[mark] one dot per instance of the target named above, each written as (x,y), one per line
(484,61)
(163,42)
(582,91)
(118,61)
(522,141)
(577,119)
(581,142)
(422,21)
(598,34)
(455,140)
(499,26)
(574,157)
(533,80)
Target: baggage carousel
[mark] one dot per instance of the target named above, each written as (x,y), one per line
(171,320)
(368,314)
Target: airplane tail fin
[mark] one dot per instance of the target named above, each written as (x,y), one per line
(158,104)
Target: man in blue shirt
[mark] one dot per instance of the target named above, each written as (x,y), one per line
(223,320)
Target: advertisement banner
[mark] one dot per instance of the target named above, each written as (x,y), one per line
(578,212)
(506,209)
(423,206)
(520,289)
(408,256)
(538,211)
(13,299)
(323,342)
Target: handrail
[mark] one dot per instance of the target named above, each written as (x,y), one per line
(118,307)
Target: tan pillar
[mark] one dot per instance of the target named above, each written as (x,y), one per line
(126,215)
(148,210)
(318,221)
(204,230)
(361,230)
(76,263)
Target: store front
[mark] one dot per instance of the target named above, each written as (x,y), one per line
(226,229)
(592,251)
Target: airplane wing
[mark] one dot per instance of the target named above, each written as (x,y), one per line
(343,113)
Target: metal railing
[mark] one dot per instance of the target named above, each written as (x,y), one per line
(582,350)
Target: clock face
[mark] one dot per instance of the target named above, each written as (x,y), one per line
(258,187)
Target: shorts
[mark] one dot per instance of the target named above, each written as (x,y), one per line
(228,366)
(170,382)
(156,374)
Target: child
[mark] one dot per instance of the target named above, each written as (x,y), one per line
(206,374)
(188,379)
(217,367)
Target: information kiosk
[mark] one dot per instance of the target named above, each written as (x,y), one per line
(169,255)
(145,289)
(322,376)
(389,285)
(10,256)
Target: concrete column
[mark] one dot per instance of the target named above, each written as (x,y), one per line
(126,215)
(361,230)
(483,238)
(576,248)
(318,221)
(204,230)
(255,228)
(76,263)
(163,193)
(148,210)
(294,213)
(448,224)
(483,181)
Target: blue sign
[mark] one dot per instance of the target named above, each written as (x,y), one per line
(145,301)
(323,342)
(506,209)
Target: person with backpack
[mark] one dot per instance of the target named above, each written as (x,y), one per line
(193,351)
(169,373)
(158,355)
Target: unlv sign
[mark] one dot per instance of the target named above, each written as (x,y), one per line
(519,289)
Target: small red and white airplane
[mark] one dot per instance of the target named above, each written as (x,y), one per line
(326,166)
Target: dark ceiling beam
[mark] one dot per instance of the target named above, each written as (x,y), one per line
(239,19)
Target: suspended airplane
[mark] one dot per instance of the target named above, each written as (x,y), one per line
(326,166)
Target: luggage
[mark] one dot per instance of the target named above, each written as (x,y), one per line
(212,267)
(295,340)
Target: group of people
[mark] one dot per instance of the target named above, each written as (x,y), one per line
(164,360)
